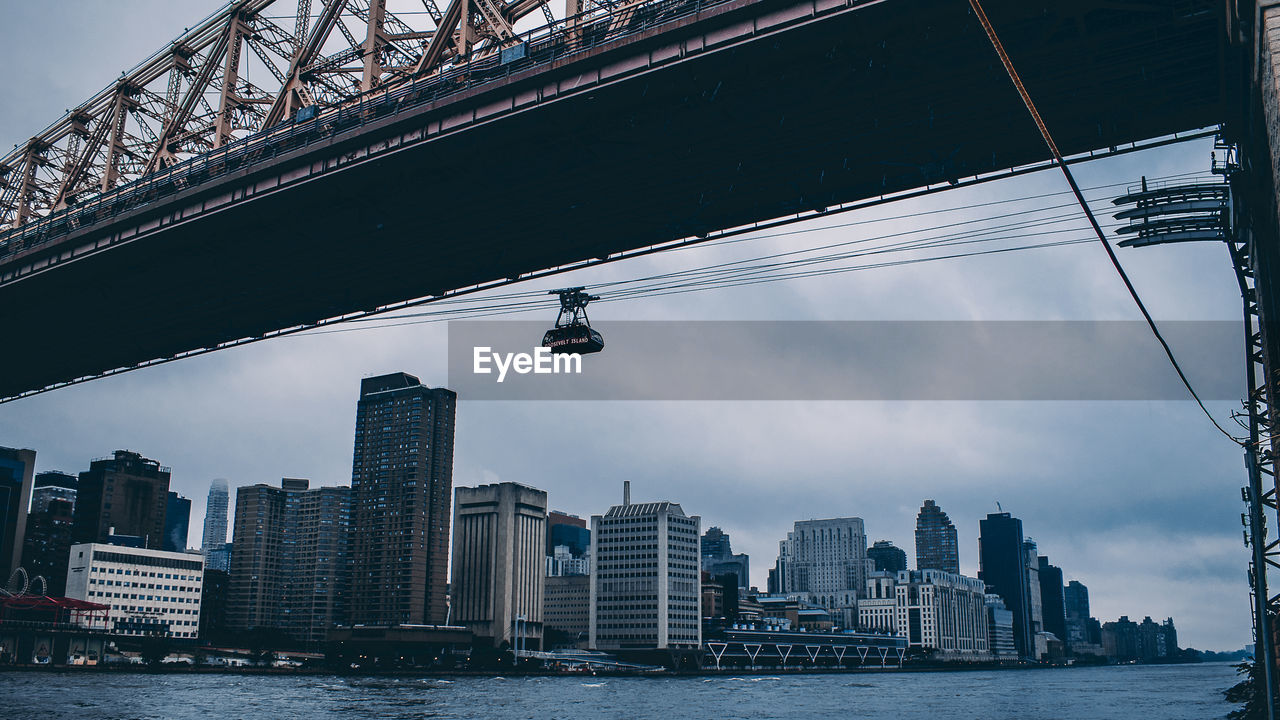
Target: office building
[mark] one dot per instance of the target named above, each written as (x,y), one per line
(1033,586)
(887,557)
(215,522)
(568,545)
(150,592)
(562,562)
(218,558)
(124,495)
(645,579)
(719,560)
(944,613)
(1000,629)
(1075,598)
(568,530)
(53,485)
(499,533)
(937,547)
(1052,600)
(825,562)
(566,611)
(402,485)
(17,469)
(1002,563)
(177,520)
(290,567)
(213,607)
(47,545)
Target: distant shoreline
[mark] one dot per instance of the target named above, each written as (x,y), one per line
(706,672)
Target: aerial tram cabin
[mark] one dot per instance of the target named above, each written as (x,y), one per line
(573,332)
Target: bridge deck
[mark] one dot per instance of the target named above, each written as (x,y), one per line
(738,112)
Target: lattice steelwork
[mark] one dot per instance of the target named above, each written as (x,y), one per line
(252,65)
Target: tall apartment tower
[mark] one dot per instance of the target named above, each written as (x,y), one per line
(1033,586)
(646,577)
(499,536)
(887,557)
(1075,597)
(291,568)
(17,470)
(826,560)
(401,483)
(125,494)
(1052,600)
(1002,566)
(215,520)
(47,545)
(936,545)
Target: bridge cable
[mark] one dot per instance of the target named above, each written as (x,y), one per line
(976,5)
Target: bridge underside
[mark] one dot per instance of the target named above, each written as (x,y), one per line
(859,102)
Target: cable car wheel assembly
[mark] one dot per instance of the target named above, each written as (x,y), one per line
(572,332)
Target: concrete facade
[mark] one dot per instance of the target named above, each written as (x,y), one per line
(645,584)
(149,591)
(498,563)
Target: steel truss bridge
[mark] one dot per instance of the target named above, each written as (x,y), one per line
(289,163)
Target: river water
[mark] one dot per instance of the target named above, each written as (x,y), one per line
(1101,693)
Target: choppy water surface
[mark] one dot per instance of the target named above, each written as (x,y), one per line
(1119,693)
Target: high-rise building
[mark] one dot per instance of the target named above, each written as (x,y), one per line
(718,558)
(17,467)
(1002,564)
(1076,599)
(645,577)
(568,530)
(123,495)
(177,520)
(215,522)
(566,611)
(1000,629)
(498,563)
(290,568)
(213,607)
(943,612)
(1052,599)
(825,561)
(401,482)
(150,592)
(47,545)
(563,562)
(53,485)
(218,558)
(937,547)
(1033,586)
(887,557)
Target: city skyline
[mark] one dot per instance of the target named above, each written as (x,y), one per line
(1081,475)
(1068,575)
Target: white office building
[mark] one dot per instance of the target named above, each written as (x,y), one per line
(646,577)
(563,562)
(150,592)
(943,612)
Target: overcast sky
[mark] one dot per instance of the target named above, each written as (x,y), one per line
(1138,500)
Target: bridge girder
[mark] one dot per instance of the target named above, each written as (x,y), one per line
(195,94)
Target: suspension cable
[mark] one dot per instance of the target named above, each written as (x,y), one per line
(1075,190)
